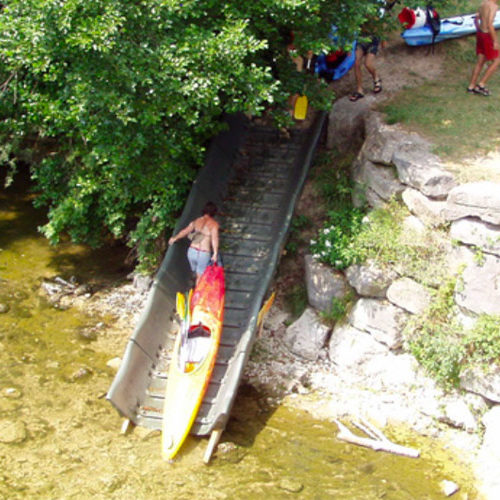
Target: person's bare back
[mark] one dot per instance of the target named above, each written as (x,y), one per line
(487,12)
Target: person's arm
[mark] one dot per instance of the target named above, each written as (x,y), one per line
(214,235)
(491,27)
(181,234)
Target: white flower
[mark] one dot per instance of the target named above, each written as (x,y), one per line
(326,230)
(328,244)
(313,242)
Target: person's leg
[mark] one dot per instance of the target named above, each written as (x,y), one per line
(202,263)
(489,71)
(481,59)
(370,65)
(358,76)
(357,70)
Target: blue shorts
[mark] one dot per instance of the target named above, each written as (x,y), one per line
(198,260)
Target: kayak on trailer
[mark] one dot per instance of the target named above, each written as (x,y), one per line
(451,27)
(193,358)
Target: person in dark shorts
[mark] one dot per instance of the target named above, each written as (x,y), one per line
(487,47)
(366,52)
(204,235)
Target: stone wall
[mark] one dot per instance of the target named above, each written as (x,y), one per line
(392,162)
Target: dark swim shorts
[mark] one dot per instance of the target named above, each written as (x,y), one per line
(370,47)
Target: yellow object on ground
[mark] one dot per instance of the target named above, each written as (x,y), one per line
(300,109)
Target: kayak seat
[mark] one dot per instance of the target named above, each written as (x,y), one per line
(197,345)
(198,331)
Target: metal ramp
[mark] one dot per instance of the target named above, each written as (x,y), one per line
(255,176)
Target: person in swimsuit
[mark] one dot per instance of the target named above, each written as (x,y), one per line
(204,234)
(487,48)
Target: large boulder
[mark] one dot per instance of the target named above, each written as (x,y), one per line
(476,233)
(422,170)
(458,414)
(391,371)
(426,209)
(457,258)
(488,458)
(479,289)
(409,295)
(381,319)
(383,140)
(350,347)
(475,199)
(379,178)
(307,336)
(485,384)
(323,284)
(369,279)
(346,130)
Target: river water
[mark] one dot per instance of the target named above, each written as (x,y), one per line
(59,438)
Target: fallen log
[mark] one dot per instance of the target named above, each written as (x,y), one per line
(377,440)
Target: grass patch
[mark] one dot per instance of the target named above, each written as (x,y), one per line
(351,237)
(459,124)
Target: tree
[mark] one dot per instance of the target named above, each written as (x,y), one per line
(116,99)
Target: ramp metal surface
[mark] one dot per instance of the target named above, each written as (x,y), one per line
(255,176)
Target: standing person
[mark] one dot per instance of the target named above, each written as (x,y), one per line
(367,48)
(487,48)
(204,235)
(366,51)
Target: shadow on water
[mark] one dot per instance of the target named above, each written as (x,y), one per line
(249,416)
(20,228)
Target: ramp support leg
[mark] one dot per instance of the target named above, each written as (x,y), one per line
(125,426)
(212,443)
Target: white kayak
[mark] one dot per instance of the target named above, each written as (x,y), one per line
(451,27)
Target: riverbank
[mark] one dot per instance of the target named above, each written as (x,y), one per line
(323,390)
(384,395)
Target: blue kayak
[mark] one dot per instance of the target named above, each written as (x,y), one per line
(333,68)
(451,27)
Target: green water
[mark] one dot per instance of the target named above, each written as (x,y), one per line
(70,446)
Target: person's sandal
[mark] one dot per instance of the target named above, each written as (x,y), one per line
(479,89)
(377,86)
(356,96)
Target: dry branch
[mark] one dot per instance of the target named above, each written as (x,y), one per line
(377,440)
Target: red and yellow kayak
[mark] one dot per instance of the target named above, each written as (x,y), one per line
(193,359)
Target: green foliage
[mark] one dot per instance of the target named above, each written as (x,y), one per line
(299,222)
(434,338)
(116,100)
(439,343)
(296,300)
(482,343)
(339,309)
(335,244)
(350,237)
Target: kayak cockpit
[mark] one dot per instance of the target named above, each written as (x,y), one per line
(195,348)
